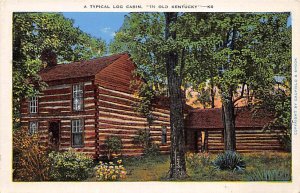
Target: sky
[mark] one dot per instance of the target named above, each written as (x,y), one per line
(98,24)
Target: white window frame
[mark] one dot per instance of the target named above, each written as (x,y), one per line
(33,105)
(77,97)
(33,127)
(77,127)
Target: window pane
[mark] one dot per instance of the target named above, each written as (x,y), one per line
(77,132)
(33,127)
(74,126)
(77,139)
(80,126)
(33,104)
(77,97)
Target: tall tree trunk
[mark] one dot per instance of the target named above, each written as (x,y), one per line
(229,122)
(228,108)
(177,154)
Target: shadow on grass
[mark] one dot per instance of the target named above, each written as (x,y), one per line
(265,166)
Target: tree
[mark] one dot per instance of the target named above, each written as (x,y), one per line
(150,38)
(274,95)
(247,66)
(226,51)
(37,33)
(177,154)
(222,49)
(233,52)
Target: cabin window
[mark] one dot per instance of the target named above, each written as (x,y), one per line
(33,105)
(78,97)
(33,127)
(77,133)
(164,135)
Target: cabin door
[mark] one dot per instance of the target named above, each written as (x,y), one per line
(54,134)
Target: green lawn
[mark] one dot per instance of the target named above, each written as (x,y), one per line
(155,168)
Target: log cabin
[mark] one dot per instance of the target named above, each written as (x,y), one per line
(205,131)
(86,102)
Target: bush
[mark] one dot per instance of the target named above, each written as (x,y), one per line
(143,139)
(229,160)
(270,175)
(195,160)
(114,145)
(70,166)
(110,171)
(30,158)
(152,150)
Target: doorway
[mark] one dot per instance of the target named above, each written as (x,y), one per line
(54,134)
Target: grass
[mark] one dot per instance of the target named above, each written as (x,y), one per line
(152,168)
(155,168)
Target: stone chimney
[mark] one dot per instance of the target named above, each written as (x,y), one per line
(49,58)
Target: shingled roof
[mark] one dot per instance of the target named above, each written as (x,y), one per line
(79,69)
(212,119)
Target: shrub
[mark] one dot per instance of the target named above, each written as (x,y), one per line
(30,158)
(110,171)
(270,175)
(198,159)
(114,145)
(70,166)
(143,139)
(152,150)
(229,160)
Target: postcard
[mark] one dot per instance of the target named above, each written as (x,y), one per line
(175,96)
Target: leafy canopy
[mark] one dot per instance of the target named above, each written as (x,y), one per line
(34,33)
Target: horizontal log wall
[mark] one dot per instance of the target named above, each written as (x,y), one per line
(55,104)
(247,140)
(117,117)
(117,76)
(256,139)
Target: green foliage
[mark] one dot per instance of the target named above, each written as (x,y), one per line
(30,158)
(143,139)
(152,150)
(222,48)
(113,145)
(146,95)
(34,33)
(70,166)
(197,160)
(270,175)
(277,101)
(111,171)
(229,160)
(153,168)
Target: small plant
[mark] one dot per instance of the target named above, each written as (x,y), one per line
(114,145)
(270,175)
(70,166)
(143,139)
(198,159)
(110,171)
(30,158)
(152,150)
(229,160)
